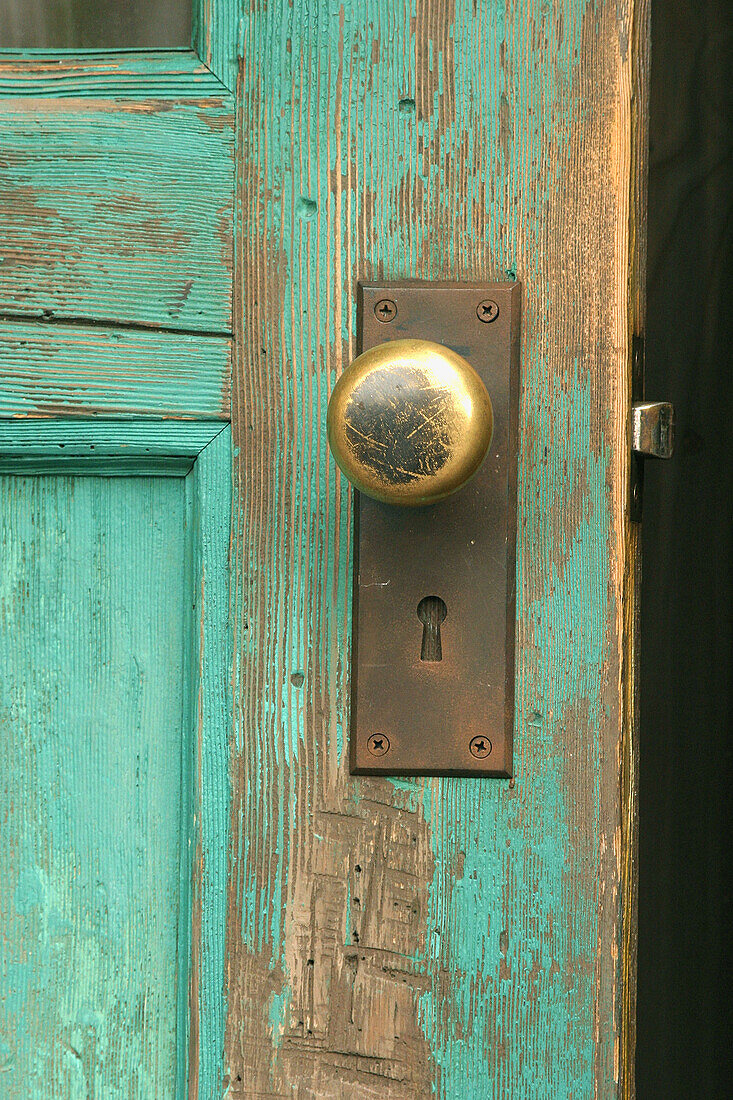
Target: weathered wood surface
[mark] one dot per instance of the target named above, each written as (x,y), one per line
(121,996)
(71,370)
(218,26)
(399,939)
(203,1015)
(116,176)
(93,734)
(457,938)
(71,436)
(138,74)
(117,209)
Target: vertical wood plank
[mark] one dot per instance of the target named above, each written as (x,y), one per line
(209,513)
(640,39)
(91,725)
(447,937)
(216,37)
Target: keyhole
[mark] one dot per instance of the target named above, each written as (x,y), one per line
(431,611)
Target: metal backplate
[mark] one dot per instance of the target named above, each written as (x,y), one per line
(451,716)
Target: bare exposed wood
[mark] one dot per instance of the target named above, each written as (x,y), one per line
(638,137)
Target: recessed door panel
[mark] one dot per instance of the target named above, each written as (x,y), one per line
(93,791)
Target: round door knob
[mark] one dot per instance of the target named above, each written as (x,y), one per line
(409,422)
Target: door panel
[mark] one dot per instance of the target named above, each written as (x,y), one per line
(94,855)
(116,193)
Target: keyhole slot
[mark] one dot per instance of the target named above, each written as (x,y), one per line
(431,611)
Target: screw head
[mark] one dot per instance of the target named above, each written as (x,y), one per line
(385,310)
(378,744)
(480,747)
(487,311)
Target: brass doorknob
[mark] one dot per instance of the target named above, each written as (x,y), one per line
(409,422)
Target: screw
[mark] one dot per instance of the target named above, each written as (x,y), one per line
(487,311)
(378,744)
(385,310)
(480,747)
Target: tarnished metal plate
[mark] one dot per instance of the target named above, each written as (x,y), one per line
(449,716)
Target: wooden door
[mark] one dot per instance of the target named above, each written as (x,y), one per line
(185,232)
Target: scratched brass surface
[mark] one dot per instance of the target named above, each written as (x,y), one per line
(409,422)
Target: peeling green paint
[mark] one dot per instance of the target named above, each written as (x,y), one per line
(277,1016)
(117,211)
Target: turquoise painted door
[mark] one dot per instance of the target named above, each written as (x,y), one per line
(117,181)
(92,617)
(116,658)
(197,898)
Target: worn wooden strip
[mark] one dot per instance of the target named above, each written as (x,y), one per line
(117,210)
(89,464)
(71,437)
(93,735)
(137,74)
(447,937)
(210,508)
(639,77)
(83,370)
(217,36)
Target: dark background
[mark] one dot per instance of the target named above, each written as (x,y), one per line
(684,1038)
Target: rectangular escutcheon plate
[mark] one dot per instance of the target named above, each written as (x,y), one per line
(451,716)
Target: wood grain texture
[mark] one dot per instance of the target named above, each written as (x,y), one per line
(121,439)
(210,678)
(216,36)
(457,938)
(137,74)
(82,370)
(116,185)
(93,737)
(117,209)
(630,747)
(179,543)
